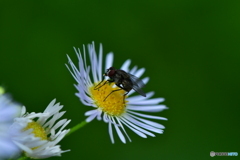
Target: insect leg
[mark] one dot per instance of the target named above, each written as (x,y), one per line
(111,93)
(125,89)
(99,84)
(125,96)
(109,80)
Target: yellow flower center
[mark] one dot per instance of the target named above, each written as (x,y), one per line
(38,130)
(114,104)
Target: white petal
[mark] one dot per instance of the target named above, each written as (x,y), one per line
(126,65)
(133,129)
(141,132)
(120,135)
(88,113)
(100,63)
(99,115)
(110,132)
(91,117)
(148,102)
(139,97)
(143,125)
(119,122)
(147,116)
(155,108)
(147,122)
(109,60)
(145,80)
(105,118)
(140,72)
(23,147)
(93,59)
(23,111)
(154,124)
(133,70)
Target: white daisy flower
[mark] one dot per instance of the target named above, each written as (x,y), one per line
(37,134)
(114,111)
(8,111)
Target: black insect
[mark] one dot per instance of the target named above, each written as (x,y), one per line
(123,80)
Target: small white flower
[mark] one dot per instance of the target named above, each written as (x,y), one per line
(114,111)
(37,134)
(8,111)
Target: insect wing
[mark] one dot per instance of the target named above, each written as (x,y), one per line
(136,81)
(123,74)
(137,84)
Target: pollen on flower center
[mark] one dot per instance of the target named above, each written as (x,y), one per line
(115,103)
(38,130)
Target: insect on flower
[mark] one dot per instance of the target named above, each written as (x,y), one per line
(123,80)
(132,112)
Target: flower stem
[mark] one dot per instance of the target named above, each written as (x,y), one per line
(22,158)
(78,126)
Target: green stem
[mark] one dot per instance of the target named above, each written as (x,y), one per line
(78,126)
(23,158)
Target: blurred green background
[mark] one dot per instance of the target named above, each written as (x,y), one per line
(190,49)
